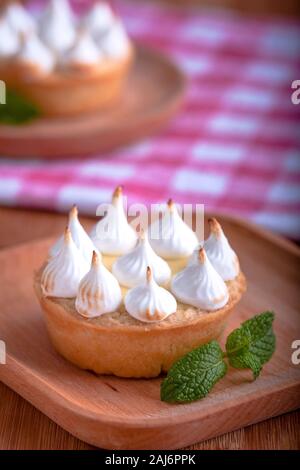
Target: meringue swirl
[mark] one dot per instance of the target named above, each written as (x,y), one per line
(63,273)
(219,252)
(99,19)
(98,292)
(130,269)
(9,43)
(84,52)
(171,237)
(149,302)
(200,285)
(57,26)
(58,39)
(19,19)
(115,43)
(79,235)
(113,235)
(33,53)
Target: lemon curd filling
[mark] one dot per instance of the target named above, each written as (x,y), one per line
(176,265)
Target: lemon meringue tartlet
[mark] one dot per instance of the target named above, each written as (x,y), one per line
(135,314)
(64,63)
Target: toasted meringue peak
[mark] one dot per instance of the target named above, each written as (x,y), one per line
(115,43)
(170,236)
(200,285)
(130,269)
(148,302)
(201,255)
(215,227)
(113,235)
(170,203)
(149,274)
(33,53)
(99,291)
(63,273)
(79,235)
(99,19)
(73,214)
(9,42)
(118,192)
(19,19)
(84,52)
(96,258)
(57,26)
(220,253)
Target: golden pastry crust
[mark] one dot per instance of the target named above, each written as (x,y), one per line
(118,344)
(68,93)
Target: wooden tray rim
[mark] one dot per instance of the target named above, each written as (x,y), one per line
(17,373)
(72,123)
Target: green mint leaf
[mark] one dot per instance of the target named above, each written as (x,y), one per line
(17,109)
(194,375)
(246,360)
(252,345)
(263,339)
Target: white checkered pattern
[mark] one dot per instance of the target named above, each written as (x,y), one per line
(234,146)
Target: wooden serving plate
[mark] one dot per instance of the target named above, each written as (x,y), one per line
(116,413)
(152,94)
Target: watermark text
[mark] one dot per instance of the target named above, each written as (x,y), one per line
(295,357)
(2,92)
(2,352)
(295,96)
(160,221)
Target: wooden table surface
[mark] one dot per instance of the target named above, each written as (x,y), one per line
(24,427)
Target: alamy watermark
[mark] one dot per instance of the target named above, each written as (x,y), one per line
(2,92)
(151,220)
(295,357)
(2,352)
(295,96)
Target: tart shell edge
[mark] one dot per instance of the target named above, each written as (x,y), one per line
(131,350)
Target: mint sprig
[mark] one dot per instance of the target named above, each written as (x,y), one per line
(17,109)
(194,375)
(252,345)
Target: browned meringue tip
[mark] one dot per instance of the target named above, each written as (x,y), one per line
(67,235)
(96,258)
(170,203)
(118,192)
(156,316)
(202,255)
(149,274)
(214,226)
(73,212)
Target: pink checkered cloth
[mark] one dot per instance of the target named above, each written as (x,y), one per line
(234,146)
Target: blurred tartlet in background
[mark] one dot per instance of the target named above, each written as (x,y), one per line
(64,63)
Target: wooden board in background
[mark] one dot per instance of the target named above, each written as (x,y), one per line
(133,416)
(152,94)
(256,7)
